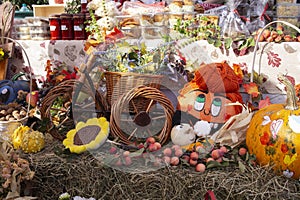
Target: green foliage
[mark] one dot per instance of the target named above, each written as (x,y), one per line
(73,7)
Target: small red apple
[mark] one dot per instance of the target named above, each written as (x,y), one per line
(174,161)
(152,147)
(32,98)
(128,161)
(158,145)
(150,140)
(200,167)
(178,152)
(194,155)
(167,151)
(193,162)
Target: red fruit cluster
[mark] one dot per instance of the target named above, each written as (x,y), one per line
(171,155)
(199,161)
(125,157)
(121,157)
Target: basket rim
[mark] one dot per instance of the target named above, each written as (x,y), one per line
(133,74)
(22,120)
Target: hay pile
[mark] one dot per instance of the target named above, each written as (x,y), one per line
(85,176)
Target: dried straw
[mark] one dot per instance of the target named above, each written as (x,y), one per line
(85,175)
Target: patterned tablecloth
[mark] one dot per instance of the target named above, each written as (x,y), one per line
(274,57)
(68,52)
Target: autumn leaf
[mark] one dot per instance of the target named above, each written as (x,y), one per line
(238,71)
(263,103)
(252,89)
(273,59)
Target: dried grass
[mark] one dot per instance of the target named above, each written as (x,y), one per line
(84,175)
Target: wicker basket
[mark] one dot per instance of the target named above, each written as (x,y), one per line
(7,127)
(119,83)
(66,89)
(120,107)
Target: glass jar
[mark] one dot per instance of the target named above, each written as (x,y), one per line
(55,31)
(83,6)
(67,31)
(79,26)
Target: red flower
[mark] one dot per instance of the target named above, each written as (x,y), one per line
(265,139)
(284,148)
(274,60)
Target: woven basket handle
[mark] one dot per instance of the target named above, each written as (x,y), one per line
(29,66)
(257,41)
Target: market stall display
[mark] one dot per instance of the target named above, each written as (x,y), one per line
(161,96)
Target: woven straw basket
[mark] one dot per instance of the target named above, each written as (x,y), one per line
(119,83)
(66,89)
(7,127)
(152,95)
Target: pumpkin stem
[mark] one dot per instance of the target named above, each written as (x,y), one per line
(291,99)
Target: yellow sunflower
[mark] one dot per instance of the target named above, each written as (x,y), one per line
(87,136)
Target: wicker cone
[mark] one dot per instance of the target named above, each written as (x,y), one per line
(66,89)
(148,93)
(119,83)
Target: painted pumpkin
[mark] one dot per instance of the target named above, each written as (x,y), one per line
(207,97)
(273,135)
(28,140)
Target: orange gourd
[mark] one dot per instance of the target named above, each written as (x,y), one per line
(273,135)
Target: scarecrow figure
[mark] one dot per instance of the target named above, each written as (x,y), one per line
(204,102)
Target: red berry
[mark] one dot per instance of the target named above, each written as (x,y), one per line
(152,147)
(126,153)
(175,146)
(118,162)
(158,145)
(209,159)
(178,152)
(140,146)
(194,155)
(167,151)
(193,162)
(150,140)
(223,149)
(242,151)
(215,154)
(128,161)
(174,161)
(112,150)
(200,167)
(167,159)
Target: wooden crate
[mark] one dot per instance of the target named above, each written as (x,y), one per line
(47,10)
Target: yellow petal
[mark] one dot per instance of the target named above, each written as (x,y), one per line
(79,125)
(93,121)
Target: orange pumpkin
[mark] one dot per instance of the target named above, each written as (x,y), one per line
(273,135)
(207,97)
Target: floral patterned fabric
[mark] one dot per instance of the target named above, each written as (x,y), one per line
(66,52)
(273,58)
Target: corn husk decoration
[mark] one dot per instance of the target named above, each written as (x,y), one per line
(233,132)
